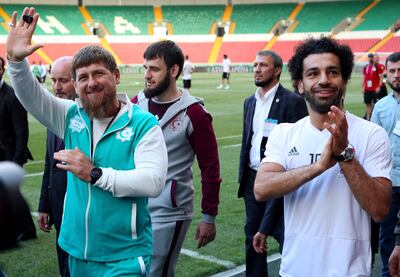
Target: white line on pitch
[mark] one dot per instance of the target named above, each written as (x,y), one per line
(229,137)
(34,174)
(212,259)
(242,268)
(231,145)
(35,162)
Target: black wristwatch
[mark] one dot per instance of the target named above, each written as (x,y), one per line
(95,174)
(347,154)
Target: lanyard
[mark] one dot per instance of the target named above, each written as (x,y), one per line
(108,126)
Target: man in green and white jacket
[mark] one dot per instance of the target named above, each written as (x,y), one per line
(115,157)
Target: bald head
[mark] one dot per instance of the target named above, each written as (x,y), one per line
(61,78)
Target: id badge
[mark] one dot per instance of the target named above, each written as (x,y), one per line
(396,129)
(369,83)
(269,125)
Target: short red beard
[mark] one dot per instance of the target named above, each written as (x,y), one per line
(104,108)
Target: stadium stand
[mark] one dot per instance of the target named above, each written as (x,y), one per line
(130,48)
(192,19)
(123,20)
(35,57)
(242,48)
(54,20)
(392,45)
(197,51)
(323,16)
(381,17)
(240,52)
(362,42)
(285,48)
(259,18)
(55,46)
(129,29)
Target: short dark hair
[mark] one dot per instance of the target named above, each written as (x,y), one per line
(168,51)
(393,58)
(277,59)
(225,56)
(3,63)
(93,54)
(320,46)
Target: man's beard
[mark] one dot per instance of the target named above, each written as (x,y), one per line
(99,109)
(395,88)
(162,86)
(324,107)
(264,83)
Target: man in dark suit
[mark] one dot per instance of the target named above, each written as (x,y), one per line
(54,183)
(270,105)
(14,131)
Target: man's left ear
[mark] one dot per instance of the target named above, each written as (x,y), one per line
(174,70)
(75,86)
(117,75)
(278,71)
(300,87)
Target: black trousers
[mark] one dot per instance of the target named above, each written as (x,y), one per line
(62,258)
(256,264)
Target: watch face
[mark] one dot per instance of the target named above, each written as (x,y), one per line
(348,153)
(96,172)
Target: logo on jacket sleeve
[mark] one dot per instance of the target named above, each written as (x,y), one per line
(76,124)
(125,134)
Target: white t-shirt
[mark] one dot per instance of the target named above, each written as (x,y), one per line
(187,70)
(327,233)
(226,65)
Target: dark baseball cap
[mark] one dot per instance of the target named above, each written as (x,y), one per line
(370,55)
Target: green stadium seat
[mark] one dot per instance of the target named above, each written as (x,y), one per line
(323,16)
(55,19)
(381,17)
(192,19)
(123,20)
(259,18)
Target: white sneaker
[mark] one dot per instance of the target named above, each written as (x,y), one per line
(219,87)
(227,87)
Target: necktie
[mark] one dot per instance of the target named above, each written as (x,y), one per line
(262,148)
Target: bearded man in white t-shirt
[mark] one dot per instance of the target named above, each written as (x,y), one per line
(332,168)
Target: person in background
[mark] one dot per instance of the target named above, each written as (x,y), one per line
(386,114)
(43,72)
(186,73)
(14,128)
(36,71)
(188,133)
(14,211)
(270,105)
(226,72)
(380,68)
(372,80)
